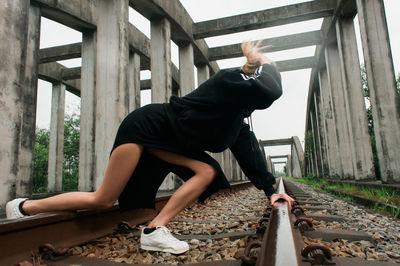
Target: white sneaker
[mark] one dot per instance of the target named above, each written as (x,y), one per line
(12,208)
(161,239)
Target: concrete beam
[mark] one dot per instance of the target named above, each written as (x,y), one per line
(274,44)
(282,162)
(51,72)
(77,14)
(293,64)
(266,18)
(276,142)
(279,156)
(296,64)
(62,52)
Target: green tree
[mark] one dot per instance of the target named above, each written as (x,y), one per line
(71,153)
(40,163)
(70,156)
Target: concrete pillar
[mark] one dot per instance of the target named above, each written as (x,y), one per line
(13,35)
(28,123)
(322,137)
(298,150)
(329,125)
(56,139)
(234,168)
(340,110)
(111,78)
(269,164)
(160,54)
(228,164)
(296,168)
(381,82)
(203,73)
(289,166)
(315,157)
(87,119)
(186,68)
(134,81)
(353,92)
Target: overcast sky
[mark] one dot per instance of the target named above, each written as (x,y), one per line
(285,118)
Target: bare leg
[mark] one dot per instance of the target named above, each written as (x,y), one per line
(189,191)
(120,167)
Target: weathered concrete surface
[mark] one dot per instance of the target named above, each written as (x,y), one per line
(315,156)
(111,78)
(181,26)
(77,14)
(266,18)
(276,142)
(186,69)
(134,81)
(322,137)
(381,82)
(27,138)
(335,170)
(161,83)
(56,139)
(203,73)
(298,151)
(52,72)
(353,94)
(87,118)
(62,52)
(13,47)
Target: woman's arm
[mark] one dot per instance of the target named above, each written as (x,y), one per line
(251,160)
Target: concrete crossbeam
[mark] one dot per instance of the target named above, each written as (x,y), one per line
(77,14)
(294,64)
(279,156)
(62,52)
(51,72)
(273,44)
(266,18)
(276,142)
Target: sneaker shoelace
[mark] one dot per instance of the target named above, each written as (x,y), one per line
(168,234)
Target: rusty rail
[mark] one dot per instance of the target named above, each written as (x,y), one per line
(281,243)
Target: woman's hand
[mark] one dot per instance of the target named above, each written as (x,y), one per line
(254,57)
(286,197)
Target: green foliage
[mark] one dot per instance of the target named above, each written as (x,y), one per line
(40,162)
(71,153)
(70,156)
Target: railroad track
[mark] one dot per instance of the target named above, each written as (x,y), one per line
(231,229)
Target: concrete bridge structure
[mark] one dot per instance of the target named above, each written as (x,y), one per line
(113,52)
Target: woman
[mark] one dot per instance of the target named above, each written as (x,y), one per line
(161,138)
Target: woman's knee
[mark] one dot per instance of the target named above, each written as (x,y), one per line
(208,172)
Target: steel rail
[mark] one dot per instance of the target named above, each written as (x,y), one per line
(20,237)
(281,243)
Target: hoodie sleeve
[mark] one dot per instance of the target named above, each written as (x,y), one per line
(251,160)
(258,91)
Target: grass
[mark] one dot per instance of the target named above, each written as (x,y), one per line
(381,195)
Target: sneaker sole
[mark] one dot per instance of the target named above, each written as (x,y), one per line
(149,248)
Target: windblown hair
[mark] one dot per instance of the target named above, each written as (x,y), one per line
(251,49)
